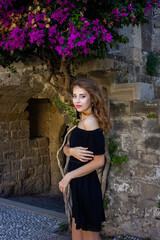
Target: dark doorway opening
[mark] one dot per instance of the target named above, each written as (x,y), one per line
(37,109)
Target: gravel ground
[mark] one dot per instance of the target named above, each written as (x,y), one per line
(16,224)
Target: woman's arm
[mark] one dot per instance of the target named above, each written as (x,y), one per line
(79,153)
(96,163)
(67,149)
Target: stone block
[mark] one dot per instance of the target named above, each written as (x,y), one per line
(7,167)
(149,191)
(123,186)
(38,185)
(19,107)
(4,126)
(22,174)
(151,126)
(10,177)
(19,154)
(45,160)
(96,65)
(10,156)
(47,182)
(152,142)
(8,190)
(33,143)
(109,230)
(46,169)
(30,153)
(149,227)
(35,161)
(131,226)
(14,135)
(15,145)
(4,146)
(25,163)
(144,172)
(119,109)
(120,125)
(132,91)
(14,125)
(23,134)
(31,171)
(151,159)
(39,171)
(15,165)
(42,142)
(27,186)
(24,124)
(42,151)
(18,189)
(25,143)
(151,210)
(144,107)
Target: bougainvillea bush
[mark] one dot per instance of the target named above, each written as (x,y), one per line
(65,28)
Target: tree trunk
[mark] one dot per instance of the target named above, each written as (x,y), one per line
(64,69)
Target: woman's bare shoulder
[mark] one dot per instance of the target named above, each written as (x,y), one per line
(91,123)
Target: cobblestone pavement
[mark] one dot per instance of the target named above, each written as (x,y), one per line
(19,223)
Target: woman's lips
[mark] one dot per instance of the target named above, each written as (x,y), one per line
(78,106)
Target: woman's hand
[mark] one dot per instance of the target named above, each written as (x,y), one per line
(64,183)
(81,154)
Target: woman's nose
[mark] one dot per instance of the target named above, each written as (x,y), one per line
(78,99)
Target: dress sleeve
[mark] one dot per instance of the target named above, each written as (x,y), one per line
(95,141)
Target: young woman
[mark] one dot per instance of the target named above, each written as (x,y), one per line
(86,149)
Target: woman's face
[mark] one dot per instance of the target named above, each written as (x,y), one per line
(81,99)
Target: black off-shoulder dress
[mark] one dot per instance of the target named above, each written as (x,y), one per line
(86,191)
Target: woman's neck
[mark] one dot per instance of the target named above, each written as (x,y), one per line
(86,116)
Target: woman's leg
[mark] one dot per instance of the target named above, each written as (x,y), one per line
(76,234)
(88,235)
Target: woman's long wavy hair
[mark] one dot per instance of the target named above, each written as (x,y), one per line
(100,108)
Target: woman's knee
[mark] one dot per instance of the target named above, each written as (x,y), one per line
(89,235)
(76,234)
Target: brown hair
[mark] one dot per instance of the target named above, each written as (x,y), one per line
(100,108)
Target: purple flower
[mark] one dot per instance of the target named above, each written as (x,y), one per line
(38,17)
(61,40)
(60,15)
(41,25)
(130,8)
(48,2)
(95,22)
(58,49)
(36,36)
(52,30)
(124,14)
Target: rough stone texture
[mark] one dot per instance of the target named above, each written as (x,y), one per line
(134,192)
(27,157)
(17,158)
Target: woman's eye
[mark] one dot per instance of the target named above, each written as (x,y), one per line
(83,96)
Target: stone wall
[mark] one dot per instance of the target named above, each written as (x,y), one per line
(24,163)
(31,130)
(134,192)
